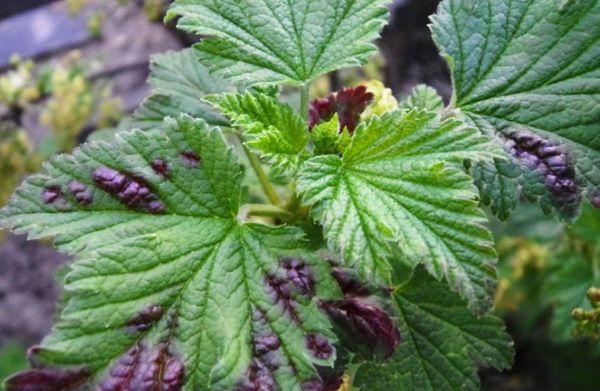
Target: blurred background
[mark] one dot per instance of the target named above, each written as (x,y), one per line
(73,70)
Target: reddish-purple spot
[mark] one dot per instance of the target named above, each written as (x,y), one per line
(299,274)
(51,194)
(258,378)
(595,199)
(364,323)
(349,104)
(80,192)
(132,191)
(191,159)
(142,369)
(145,319)
(47,379)
(320,346)
(549,160)
(160,167)
(329,383)
(279,290)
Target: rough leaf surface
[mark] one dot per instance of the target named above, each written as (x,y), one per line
(423,97)
(532,64)
(180,82)
(396,189)
(442,342)
(270,41)
(273,128)
(164,280)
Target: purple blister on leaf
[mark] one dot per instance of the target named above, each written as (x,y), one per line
(299,274)
(319,346)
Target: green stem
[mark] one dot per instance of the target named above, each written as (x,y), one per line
(304,98)
(262,210)
(265,183)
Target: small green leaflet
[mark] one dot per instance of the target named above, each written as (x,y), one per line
(531,64)
(398,188)
(281,41)
(442,342)
(177,248)
(274,129)
(423,97)
(180,82)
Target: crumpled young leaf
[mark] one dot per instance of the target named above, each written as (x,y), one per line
(273,128)
(163,260)
(530,65)
(398,189)
(281,41)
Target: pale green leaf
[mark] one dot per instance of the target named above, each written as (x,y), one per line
(443,343)
(274,130)
(423,97)
(180,82)
(398,190)
(532,64)
(194,259)
(272,41)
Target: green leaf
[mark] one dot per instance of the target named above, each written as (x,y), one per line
(423,97)
(498,185)
(274,129)
(398,189)
(170,276)
(180,82)
(530,64)
(442,342)
(281,41)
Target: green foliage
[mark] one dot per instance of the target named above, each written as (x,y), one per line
(192,259)
(180,82)
(278,41)
(395,190)
(423,97)
(527,65)
(178,282)
(275,131)
(12,359)
(442,343)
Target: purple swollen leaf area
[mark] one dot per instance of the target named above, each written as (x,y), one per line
(550,162)
(349,103)
(47,379)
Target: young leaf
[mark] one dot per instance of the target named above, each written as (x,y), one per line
(529,65)
(423,97)
(442,342)
(275,130)
(163,260)
(396,186)
(179,81)
(281,41)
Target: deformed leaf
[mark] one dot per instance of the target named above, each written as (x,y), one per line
(274,41)
(442,342)
(398,188)
(163,260)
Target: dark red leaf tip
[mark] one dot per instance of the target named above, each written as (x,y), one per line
(349,103)
(47,379)
(319,346)
(349,282)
